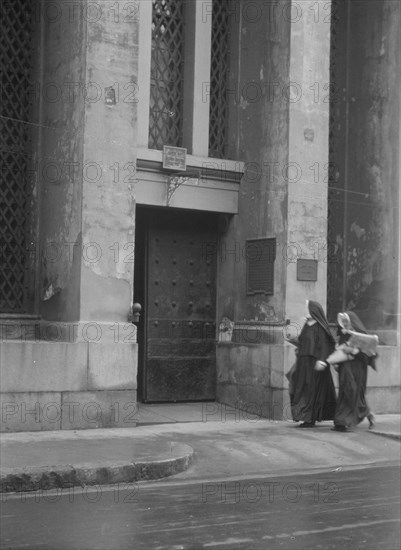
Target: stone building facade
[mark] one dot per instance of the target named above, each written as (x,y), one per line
(216,161)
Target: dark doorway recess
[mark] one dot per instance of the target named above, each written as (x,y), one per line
(175,281)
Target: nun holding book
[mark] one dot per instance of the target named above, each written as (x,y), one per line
(355,351)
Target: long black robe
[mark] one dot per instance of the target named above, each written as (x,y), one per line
(313,398)
(352,407)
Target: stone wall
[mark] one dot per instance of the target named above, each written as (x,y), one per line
(84,348)
(61,385)
(284,140)
(252,378)
(262,105)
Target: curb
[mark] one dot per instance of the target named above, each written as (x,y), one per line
(81,475)
(390,435)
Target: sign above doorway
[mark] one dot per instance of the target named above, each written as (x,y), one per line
(174,158)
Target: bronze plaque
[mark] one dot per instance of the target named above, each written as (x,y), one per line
(307,270)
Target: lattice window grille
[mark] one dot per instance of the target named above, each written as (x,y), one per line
(15,76)
(219,74)
(167,74)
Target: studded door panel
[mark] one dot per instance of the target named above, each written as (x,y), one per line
(180,357)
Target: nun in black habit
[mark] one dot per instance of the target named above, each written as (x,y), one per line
(313,397)
(352,407)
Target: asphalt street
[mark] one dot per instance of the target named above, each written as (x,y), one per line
(344,508)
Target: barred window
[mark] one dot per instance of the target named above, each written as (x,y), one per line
(167,73)
(186,48)
(16,61)
(219,73)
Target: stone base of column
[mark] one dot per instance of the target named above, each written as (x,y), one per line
(61,385)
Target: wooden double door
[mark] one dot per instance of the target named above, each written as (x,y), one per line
(176,283)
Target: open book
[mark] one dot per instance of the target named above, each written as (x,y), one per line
(366,343)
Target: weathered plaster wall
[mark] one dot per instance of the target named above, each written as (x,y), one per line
(308,157)
(60,162)
(244,371)
(262,117)
(108,206)
(89,159)
(282,135)
(366,159)
(283,138)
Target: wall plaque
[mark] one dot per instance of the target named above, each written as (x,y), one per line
(260,257)
(307,270)
(174,158)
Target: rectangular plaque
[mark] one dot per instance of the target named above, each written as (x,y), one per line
(174,158)
(307,270)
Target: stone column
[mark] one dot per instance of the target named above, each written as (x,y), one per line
(81,373)
(308,94)
(108,206)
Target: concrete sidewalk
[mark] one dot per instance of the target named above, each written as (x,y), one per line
(220,446)
(388,425)
(173,413)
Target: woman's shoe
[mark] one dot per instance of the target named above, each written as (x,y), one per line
(307,425)
(372,421)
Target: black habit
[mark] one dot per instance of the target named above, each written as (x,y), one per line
(352,407)
(313,398)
